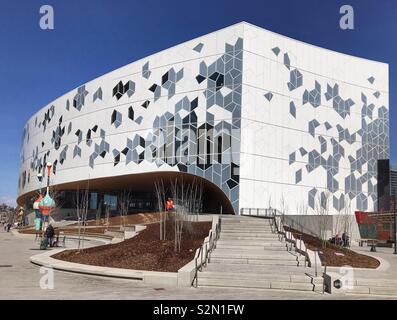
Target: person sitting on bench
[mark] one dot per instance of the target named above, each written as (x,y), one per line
(49,234)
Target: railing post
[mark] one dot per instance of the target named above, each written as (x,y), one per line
(315,261)
(305,257)
(196,275)
(206,254)
(201,257)
(300,244)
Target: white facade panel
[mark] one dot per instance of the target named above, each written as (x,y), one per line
(314,123)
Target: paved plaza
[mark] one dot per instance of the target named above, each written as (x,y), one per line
(20,279)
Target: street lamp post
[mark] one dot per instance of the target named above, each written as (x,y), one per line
(38,216)
(40,178)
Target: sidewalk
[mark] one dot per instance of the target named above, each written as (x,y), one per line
(388,268)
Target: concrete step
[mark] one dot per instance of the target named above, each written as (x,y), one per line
(255,283)
(292,286)
(245,226)
(253,222)
(378,290)
(258,269)
(286,277)
(246,220)
(256,257)
(247,230)
(376,282)
(272,262)
(387,291)
(318,281)
(249,247)
(226,234)
(247,237)
(249,222)
(252,253)
(251,242)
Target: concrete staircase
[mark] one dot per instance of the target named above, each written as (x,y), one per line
(381,287)
(249,255)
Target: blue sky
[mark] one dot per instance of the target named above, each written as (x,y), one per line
(94,37)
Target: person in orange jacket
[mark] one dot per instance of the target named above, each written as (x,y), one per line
(169,205)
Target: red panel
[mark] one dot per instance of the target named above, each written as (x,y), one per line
(360,216)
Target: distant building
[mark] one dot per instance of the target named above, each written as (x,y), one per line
(7,213)
(393,181)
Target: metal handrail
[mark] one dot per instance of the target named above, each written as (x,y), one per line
(300,244)
(196,266)
(205,250)
(305,256)
(315,263)
(259,212)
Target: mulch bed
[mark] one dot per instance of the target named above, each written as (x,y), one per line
(131,219)
(144,251)
(335,256)
(114,222)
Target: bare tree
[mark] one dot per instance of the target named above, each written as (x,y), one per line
(179,196)
(322,209)
(81,200)
(298,218)
(98,215)
(160,195)
(347,218)
(283,208)
(187,198)
(107,215)
(269,203)
(301,209)
(337,225)
(124,200)
(193,199)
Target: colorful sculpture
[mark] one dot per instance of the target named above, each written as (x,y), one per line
(38,215)
(36,205)
(47,204)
